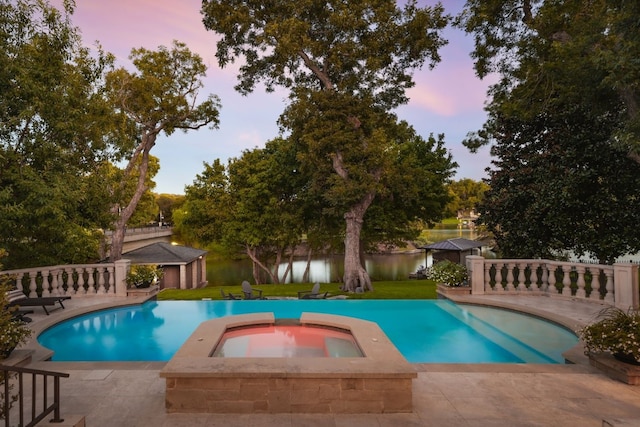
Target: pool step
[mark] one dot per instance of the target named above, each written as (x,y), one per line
(494,334)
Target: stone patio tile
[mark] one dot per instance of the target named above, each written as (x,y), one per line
(356,420)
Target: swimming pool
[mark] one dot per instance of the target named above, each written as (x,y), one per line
(424,331)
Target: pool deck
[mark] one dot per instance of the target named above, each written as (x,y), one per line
(478,395)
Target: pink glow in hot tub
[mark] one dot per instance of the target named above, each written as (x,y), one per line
(287,341)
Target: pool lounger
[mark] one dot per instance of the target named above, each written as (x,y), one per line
(17,297)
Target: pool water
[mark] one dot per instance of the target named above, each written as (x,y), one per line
(287,341)
(424,331)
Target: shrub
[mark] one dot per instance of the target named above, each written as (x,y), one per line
(617,332)
(448,273)
(143,276)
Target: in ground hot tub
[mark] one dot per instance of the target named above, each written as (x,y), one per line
(377,380)
(287,339)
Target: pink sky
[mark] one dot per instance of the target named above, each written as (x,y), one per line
(448,99)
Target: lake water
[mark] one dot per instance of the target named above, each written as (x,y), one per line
(327,269)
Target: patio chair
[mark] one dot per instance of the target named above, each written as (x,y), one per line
(228,295)
(251,293)
(18,298)
(314,293)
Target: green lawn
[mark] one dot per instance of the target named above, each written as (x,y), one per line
(401,289)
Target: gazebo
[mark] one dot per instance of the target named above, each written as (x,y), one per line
(184,267)
(455,250)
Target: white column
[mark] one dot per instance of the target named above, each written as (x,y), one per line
(625,284)
(183,276)
(121,270)
(475,265)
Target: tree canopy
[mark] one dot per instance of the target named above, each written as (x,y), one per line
(348,62)
(53,126)
(549,53)
(564,119)
(159,98)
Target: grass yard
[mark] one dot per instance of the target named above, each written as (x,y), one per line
(400,289)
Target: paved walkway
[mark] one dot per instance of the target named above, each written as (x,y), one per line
(491,395)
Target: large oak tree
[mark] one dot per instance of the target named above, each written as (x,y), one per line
(350,58)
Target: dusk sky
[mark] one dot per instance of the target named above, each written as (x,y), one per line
(448,99)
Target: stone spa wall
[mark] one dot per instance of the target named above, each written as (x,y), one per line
(379,382)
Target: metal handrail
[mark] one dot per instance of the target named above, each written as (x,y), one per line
(8,371)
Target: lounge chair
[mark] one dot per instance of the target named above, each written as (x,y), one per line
(314,293)
(227,295)
(18,298)
(250,293)
(20,314)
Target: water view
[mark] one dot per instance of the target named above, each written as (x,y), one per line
(330,268)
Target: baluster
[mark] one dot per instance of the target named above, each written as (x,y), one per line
(18,283)
(55,282)
(510,267)
(535,276)
(112,286)
(566,280)
(552,279)
(499,287)
(609,296)
(33,286)
(487,277)
(101,289)
(522,277)
(71,286)
(90,281)
(45,283)
(580,292)
(544,278)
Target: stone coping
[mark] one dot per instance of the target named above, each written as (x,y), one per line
(381,358)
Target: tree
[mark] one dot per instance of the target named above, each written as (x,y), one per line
(160,97)
(350,61)
(267,214)
(167,203)
(207,207)
(466,194)
(549,53)
(560,185)
(566,69)
(54,123)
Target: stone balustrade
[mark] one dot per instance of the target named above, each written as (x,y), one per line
(75,280)
(612,284)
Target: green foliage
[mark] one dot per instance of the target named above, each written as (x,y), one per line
(143,276)
(563,118)
(13,332)
(53,126)
(448,273)
(159,97)
(549,54)
(167,203)
(466,195)
(563,190)
(616,332)
(346,65)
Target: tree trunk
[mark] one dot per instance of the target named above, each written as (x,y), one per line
(355,275)
(123,215)
(305,276)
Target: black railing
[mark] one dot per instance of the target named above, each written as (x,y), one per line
(14,375)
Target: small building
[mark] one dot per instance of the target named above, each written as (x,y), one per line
(184,267)
(455,250)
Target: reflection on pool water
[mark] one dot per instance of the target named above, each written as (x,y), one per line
(424,331)
(287,341)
